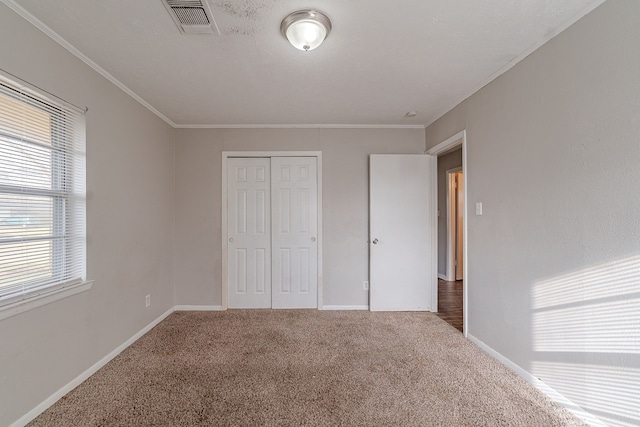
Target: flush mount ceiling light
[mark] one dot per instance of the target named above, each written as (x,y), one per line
(306,29)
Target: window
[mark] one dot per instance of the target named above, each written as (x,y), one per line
(42,193)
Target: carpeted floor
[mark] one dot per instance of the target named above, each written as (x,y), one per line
(304,367)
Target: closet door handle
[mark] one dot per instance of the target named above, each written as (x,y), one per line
(231,239)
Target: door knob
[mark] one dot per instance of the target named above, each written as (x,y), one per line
(231,239)
(375,241)
(313,239)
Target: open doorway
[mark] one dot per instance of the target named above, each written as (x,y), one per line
(454,250)
(451,230)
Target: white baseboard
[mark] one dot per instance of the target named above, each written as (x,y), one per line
(32,414)
(442,276)
(537,383)
(198,308)
(345,307)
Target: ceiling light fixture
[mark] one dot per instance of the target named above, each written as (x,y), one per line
(306,29)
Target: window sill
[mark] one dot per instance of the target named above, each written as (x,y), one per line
(35,301)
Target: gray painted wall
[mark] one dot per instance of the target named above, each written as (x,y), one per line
(448,161)
(554,263)
(345,165)
(130,228)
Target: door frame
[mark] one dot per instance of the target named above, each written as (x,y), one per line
(455,141)
(225,250)
(450,269)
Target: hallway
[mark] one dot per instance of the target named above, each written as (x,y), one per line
(450,302)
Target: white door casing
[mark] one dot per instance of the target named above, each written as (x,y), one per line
(294,232)
(452,224)
(401,237)
(248,232)
(449,144)
(459,225)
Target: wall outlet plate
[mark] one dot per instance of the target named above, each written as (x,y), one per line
(147,300)
(365,285)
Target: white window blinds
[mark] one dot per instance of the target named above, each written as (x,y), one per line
(42,193)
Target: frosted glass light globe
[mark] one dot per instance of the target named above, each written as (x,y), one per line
(306,34)
(305,29)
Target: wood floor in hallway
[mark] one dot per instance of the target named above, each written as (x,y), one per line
(450,302)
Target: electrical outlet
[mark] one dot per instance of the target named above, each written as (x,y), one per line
(365,285)
(147,300)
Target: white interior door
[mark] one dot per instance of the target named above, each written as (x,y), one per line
(248,231)
(294,232)
(401,215)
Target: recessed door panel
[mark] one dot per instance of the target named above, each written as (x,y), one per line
(284,211)
(241,209)
(260,272)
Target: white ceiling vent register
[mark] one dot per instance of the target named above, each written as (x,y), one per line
(192,16)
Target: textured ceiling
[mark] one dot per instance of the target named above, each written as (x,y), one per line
(381,60)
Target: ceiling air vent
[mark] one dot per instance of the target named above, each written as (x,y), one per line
(192,16)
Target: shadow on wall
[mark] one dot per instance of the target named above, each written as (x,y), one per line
(586,336)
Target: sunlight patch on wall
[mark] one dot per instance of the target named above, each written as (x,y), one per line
(610,393)
(615,278)
(593,327)
(586,335)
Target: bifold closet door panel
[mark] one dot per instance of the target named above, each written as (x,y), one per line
(249,229)
(294,232)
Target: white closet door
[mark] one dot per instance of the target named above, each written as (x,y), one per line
(249,222)
(294,196)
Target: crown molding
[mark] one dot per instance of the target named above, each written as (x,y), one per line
(300,126)
(11,4)
(74,51)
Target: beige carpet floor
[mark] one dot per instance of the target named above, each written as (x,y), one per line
(304,367)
